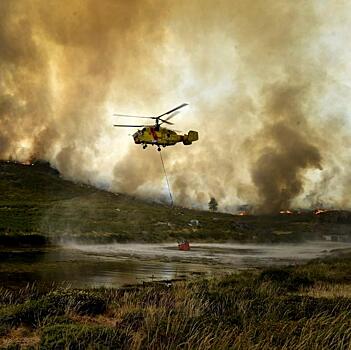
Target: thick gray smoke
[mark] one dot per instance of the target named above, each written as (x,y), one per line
(58,60)
(264,80)
(288,149)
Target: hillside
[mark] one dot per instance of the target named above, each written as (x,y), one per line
(37,200)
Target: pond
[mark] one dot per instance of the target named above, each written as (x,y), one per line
(116,265)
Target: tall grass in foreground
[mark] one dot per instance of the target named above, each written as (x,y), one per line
(274,309)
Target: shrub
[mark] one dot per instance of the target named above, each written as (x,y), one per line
(3,330)
(31,312)
(73,336)
(295,283)
(80,301)
(290,281)
(275,275)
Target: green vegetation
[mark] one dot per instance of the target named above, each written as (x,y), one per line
(37,205)
(302,307)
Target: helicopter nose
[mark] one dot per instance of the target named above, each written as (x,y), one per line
(136,138)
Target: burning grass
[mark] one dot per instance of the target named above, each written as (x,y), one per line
(301,307)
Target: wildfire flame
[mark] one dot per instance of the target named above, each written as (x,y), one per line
(286,212)
(318,211)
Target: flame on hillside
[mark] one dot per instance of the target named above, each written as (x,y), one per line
(288,212)
(319,211)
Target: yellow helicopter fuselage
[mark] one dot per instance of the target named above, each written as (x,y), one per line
(156,135)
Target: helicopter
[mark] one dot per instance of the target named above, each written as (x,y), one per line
(156,135)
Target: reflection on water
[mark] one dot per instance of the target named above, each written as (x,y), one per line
(81,269)
(119,264)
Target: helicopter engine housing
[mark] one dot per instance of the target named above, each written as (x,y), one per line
(192,136)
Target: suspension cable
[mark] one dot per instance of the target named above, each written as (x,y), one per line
(169,187)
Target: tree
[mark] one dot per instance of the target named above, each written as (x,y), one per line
(212,204)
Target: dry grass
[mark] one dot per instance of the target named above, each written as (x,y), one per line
(272,309)
(23,336)
(327,290)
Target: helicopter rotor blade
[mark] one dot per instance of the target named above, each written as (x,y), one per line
(128,126)
(165,121)
(172,115)
(132,116)
(172,110)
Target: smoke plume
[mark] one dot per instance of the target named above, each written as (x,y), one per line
(288,149)
(266,84)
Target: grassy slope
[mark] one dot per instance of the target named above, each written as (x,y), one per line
(301,307)
(35,199)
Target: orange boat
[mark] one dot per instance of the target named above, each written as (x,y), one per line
(184,245)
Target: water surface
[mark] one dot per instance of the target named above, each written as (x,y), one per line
(115,265)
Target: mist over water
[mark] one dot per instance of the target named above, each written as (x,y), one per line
(266,82)
(115,265)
